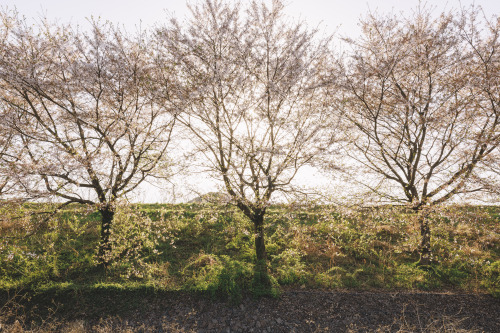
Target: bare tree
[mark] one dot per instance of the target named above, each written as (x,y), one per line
(420,99)
(255,99)
(84,112)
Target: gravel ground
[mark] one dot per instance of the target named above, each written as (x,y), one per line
(313,311)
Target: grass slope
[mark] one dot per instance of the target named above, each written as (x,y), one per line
(209,248)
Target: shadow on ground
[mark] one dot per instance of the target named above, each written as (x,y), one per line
(149,310)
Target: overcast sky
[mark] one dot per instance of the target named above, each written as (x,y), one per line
(340,15)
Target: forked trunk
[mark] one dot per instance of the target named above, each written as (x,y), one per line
(107,215)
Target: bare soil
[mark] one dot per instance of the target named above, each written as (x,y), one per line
(294,311)
(312,311)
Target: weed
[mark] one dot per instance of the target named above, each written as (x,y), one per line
(210,248)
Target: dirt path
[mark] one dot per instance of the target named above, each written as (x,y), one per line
(323,311)
(295,311)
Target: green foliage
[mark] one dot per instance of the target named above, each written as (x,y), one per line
(210,248)
(134,241)
(264,285)
(492,278)
(44,247)
(220,276)
(290,268)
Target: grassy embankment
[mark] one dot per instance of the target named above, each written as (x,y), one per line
(209,249)
(204,247)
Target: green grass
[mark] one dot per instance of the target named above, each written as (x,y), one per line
(210,249)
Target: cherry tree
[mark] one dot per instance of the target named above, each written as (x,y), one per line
(6,138)
(423,101)
(6,133)
(255,90)
(83,109)
(482,36)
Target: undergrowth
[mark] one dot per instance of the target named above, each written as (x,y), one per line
(210,249)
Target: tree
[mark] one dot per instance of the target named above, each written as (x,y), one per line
(5,143)
(10,153)
(6,134)
(487,177)
(84,113)
(419,96)
(254,92)
(483,39)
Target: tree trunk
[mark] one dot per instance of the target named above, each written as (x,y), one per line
(107,215)
(425,234)
(261,273)
(260,246)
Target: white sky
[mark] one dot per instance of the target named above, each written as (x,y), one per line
(330,15)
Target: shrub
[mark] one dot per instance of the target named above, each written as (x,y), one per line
(492,278)
(290,269)
(134,241)
(220,276)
